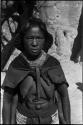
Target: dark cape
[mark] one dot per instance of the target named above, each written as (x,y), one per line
(19,69)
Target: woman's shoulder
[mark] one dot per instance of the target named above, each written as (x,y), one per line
(18,61)
(51,61)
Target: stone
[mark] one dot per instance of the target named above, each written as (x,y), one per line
(61,18)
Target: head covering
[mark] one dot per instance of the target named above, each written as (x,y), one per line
(32,21)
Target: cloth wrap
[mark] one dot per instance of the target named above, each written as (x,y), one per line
(19,69)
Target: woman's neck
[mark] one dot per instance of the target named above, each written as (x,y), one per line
(37,61)
(32,57)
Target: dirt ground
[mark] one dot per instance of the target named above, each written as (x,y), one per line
(73,73)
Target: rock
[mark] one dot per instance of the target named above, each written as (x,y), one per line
(64,38)
(61,18)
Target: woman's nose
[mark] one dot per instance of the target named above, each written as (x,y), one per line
(34,43)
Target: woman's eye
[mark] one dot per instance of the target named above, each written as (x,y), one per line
(29,38)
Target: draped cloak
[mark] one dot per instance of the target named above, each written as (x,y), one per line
(19,69)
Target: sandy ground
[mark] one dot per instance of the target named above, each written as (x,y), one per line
(73,74)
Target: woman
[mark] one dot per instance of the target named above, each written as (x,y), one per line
(33,78)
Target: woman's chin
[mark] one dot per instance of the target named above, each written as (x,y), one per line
(35,53)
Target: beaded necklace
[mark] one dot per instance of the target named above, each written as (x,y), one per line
(38,62)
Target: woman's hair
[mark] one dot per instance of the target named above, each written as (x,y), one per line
(25,27)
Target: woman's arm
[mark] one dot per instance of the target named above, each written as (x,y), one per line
(6,111)
(13,110)
(63,92)
(60,111)
(9,107)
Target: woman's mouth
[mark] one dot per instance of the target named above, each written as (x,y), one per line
(35,50)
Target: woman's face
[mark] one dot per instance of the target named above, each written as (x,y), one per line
(34,41)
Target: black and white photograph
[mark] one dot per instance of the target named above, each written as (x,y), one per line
(41,62)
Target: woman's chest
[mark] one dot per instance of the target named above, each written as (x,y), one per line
(30,86)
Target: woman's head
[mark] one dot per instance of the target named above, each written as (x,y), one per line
(34,37)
